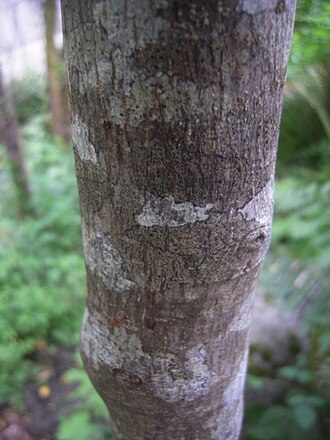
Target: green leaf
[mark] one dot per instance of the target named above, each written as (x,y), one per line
(308,399)
(273,425)
(255,382)
(305,415)
(77,426)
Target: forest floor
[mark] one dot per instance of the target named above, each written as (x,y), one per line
(45,400)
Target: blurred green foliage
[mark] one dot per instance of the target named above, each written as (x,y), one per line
(297,274)
(297,269)
(30,97)
(303,411)
(310,44)
(306,111)
(42,277)
(90,420)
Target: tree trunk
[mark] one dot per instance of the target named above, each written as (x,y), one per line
(11,137)
(175,110)
(56,89)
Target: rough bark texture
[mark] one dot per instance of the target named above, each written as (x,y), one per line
(175,110)
(11,137)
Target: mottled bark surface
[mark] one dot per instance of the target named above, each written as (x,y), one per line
(175,109)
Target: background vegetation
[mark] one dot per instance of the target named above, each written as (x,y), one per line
(296,272)
(42,277)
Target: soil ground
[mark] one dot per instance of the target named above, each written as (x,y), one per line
(45,400)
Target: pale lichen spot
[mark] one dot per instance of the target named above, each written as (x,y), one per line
(257,6)
(116,350)
(159,211)
(174,382)
(260,207)
(234,390)
(80,136)
(89,343)
(140,27)
(242,319)
(168,375)
(230,418)
(104,260)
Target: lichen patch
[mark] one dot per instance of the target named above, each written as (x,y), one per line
(242,319)
(104,260)
(174,383)
(165,212)
(80,136)
(260,208)
(234,390)
(257,6)
(165,373)
(119,350)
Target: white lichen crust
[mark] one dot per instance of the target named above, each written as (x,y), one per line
(104,261)
(260,208)
(166,375)
(80,136)
(165,212)
(257,6)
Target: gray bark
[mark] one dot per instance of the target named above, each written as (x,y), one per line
(175,109)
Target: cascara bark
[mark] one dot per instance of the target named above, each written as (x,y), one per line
(175,110)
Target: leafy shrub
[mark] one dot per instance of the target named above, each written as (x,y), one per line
(42,275)
(311,37)
(297,269)
(302,414)
(30,97)
(306,112)
(297,273)
(302,220)
(91,419)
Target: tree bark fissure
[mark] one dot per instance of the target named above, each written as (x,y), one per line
(176,109)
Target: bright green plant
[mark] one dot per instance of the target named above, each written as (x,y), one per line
(91,419)
(302,414)
(311,36)
(297,274)
(42,277)
(306,113)
(301,233)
